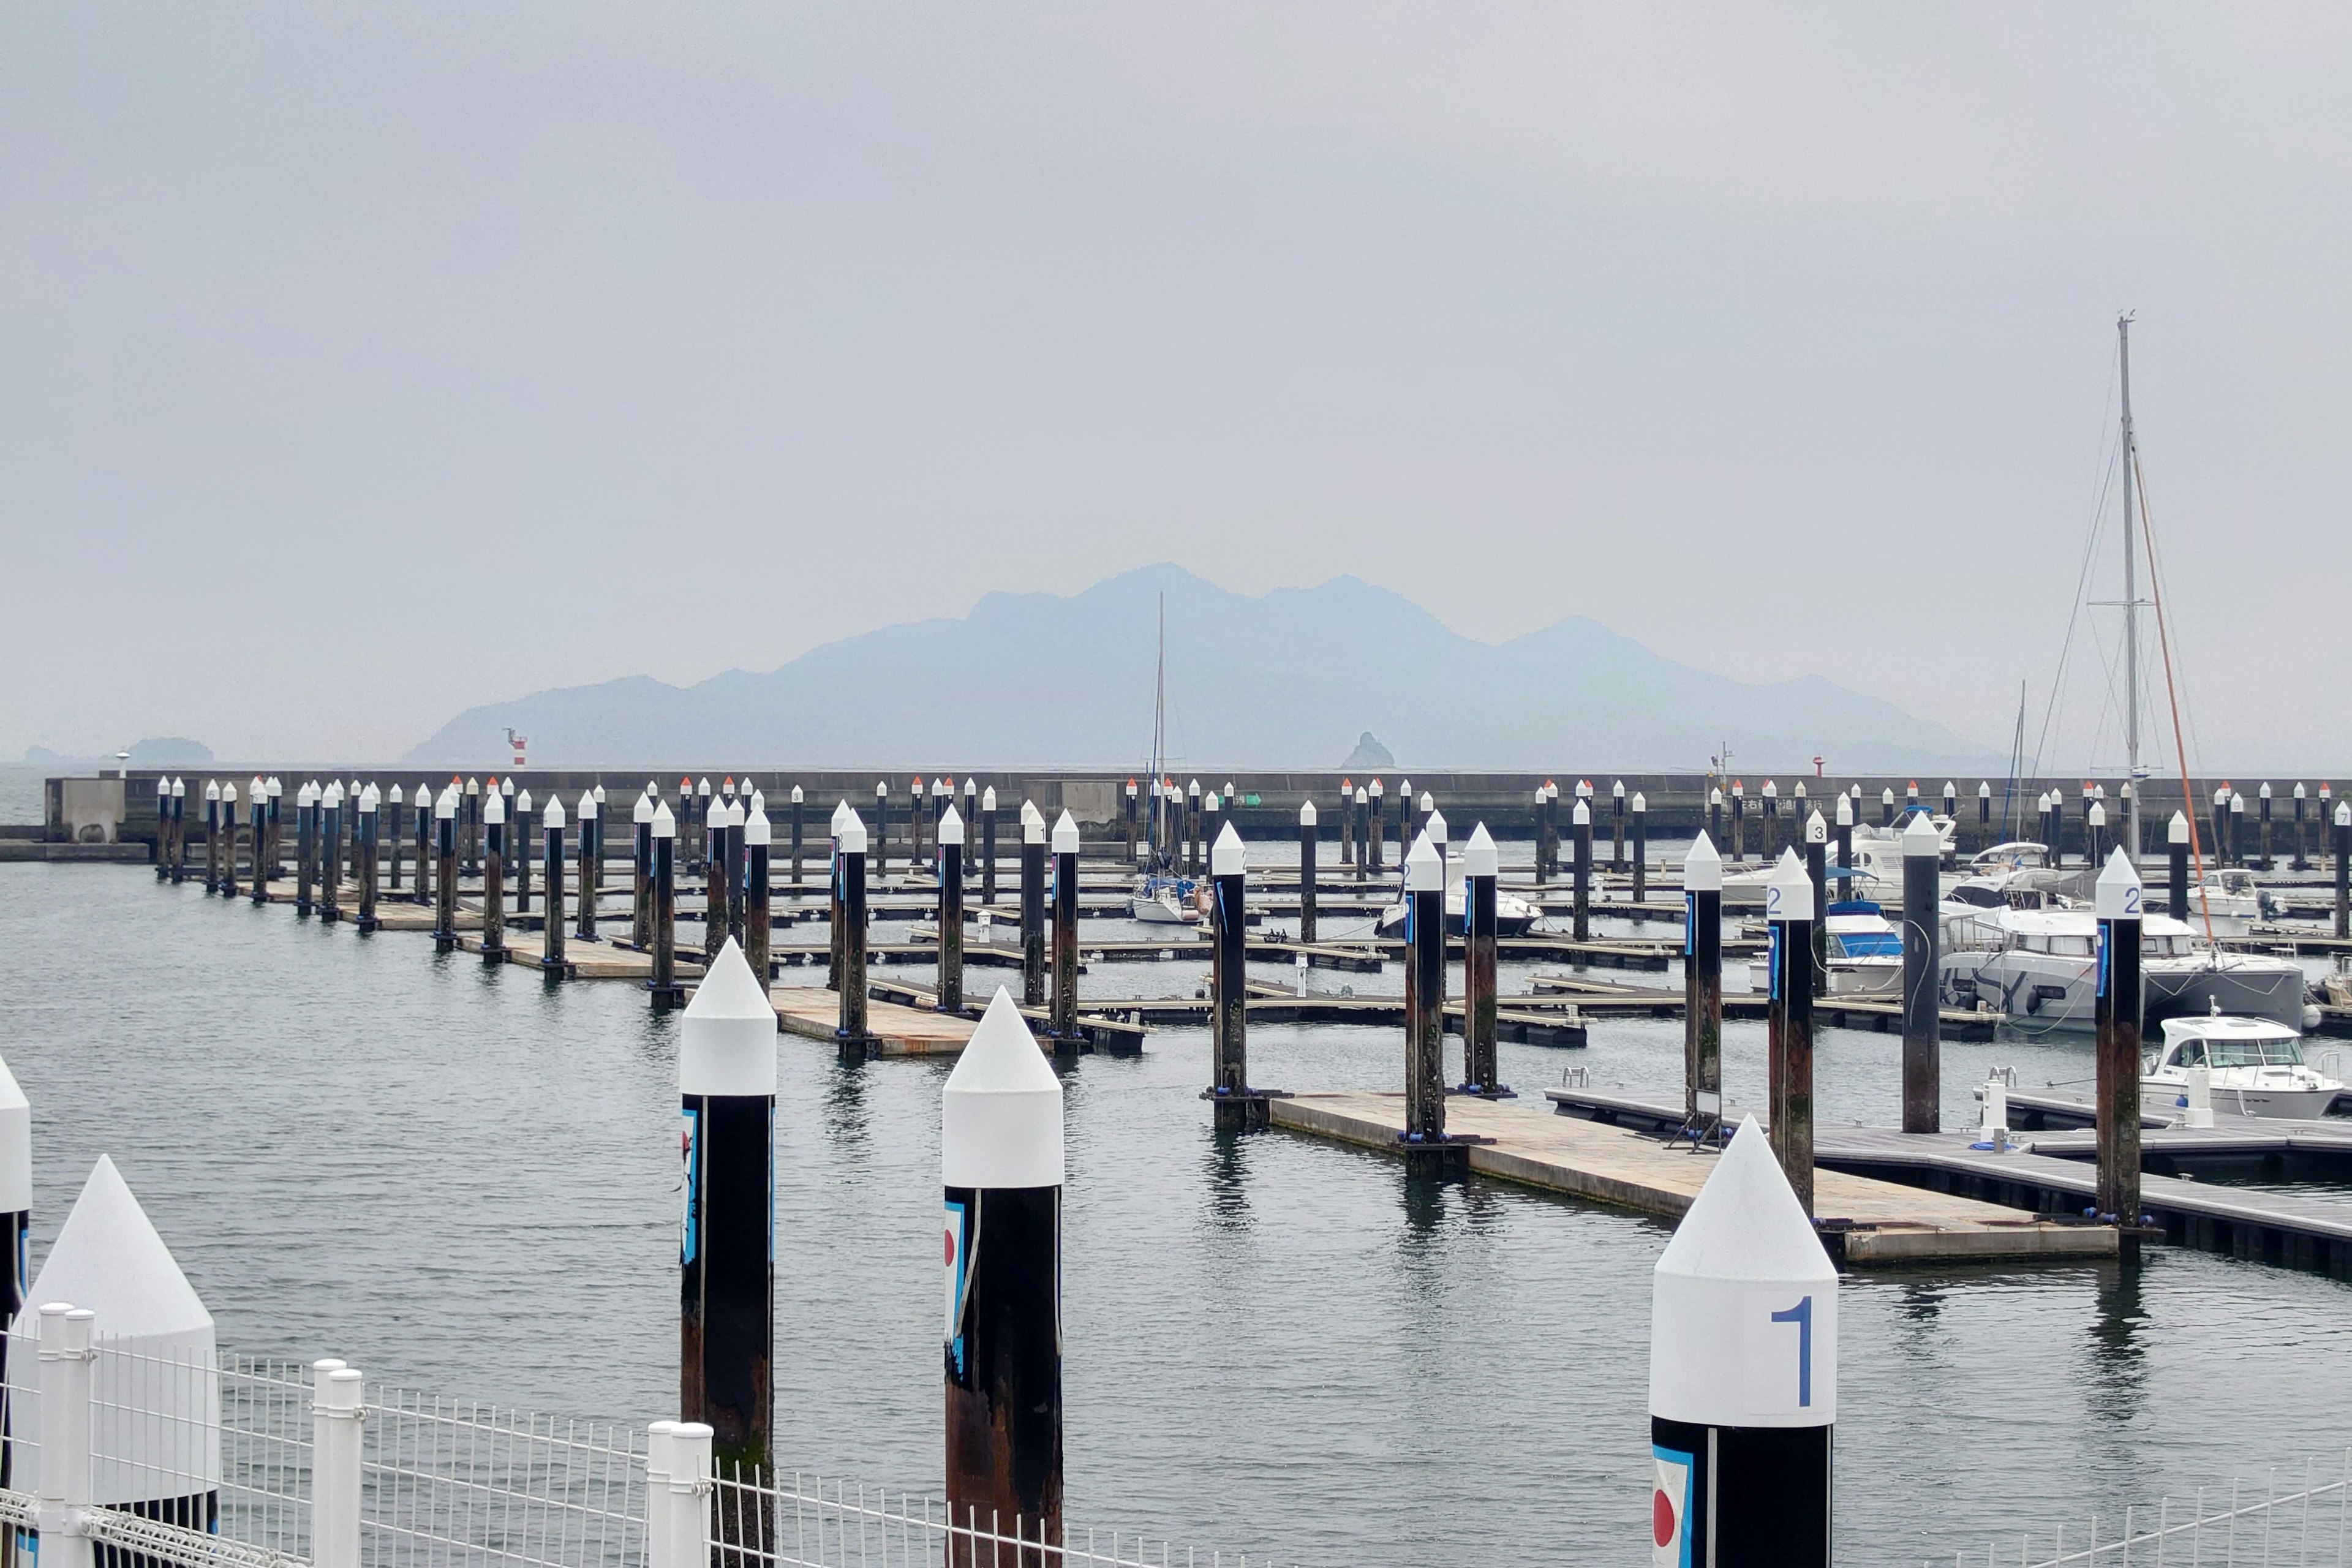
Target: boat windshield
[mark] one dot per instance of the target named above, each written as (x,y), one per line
(1868,943)
(2211,1053)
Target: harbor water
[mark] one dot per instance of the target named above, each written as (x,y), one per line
(467,1181)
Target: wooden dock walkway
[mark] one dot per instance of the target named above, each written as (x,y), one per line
(1611,999)
(1879,1222)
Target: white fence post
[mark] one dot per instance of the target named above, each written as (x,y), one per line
(689,1495)
(67,1361)
(658,1467)
(337,1400)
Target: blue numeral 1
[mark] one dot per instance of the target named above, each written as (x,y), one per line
(1801,1314)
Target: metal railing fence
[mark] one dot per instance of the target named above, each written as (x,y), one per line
(2308,1526)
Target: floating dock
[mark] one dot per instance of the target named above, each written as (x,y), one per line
(1876,1222)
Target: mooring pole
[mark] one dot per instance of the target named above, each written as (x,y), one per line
(2094,831)
(1000,1158)
(1130,822)
(330,853)
(1192,805)
(1738,821)
(371,806)
(444,868)
(973,839)
(162,832)
(1424,1007)
(2343,847)
(1363,832)
(2117,1012)
(1580,820)
(1064,1013)
(1768,811)
(469,820)
(1482,868)
(228,840)
(428,812)
(727,1098)
(1379,821)
(494,879)
(2176,868)
(2302,843)
(16,1221)
(591,809)
(1229,1086)
(1701,987)
(1617,825)
(717,825)
(2238,847)
(522,815)
(551,961)
(851,1035)
(179,830)
(1788,911)
(1033,906)
(1817,874)
(987,843)
(641,817)
(304,832)
(257,808)
(1743,1374)
(1641,847)
(1923,1069)
(1846,815)
(758,921)
(277,828)
(950,911)
(796,834)
(833,922)
(1984,814)
(1308,841)
(881,829)
(662,989)
(1347,823)
(1714,828)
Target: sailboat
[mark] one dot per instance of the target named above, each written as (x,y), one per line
(1161,897)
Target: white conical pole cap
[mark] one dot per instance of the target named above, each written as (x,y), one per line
(1790,889)
(586,806)
(258,790)
(16,1146)
(1816,830)
(1845,811)
(599,793)
(1617,790)
(728,1042)
(1066,835)
(2344,814)
(757,829)
(643,810)
(554,815)
(1363,796)
(2119,889)
(1715,797)
(2298,790)
(370,800)
(852,836)
(1423,871)
(796,794)
(494,812)
(1702,867)
(950,825)
(1582,815)
(1436,827)
(841,816)
(1211,802)
(1886,796)
(1479,856)
(1920,837)
(881,789)
(1029,813)
(971,785)
(423,797)
(229,795)
(305,796)
(665,825)
(1000,1114)
(523,806)
(703,789)
(395,794)
(333,794)
(446,806)
(1950,789)
(1032,826)
(1640,803)
(759,801)
(988,798)
(2097,816)
(1744,1256)
(1426,804)
(1226,856)
(2177,830)
(1307,813)
(1984,791)
(2265,791)
(1378,789)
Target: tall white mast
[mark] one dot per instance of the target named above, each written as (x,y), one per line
(2131,591)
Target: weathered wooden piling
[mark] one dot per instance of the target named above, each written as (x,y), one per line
(759,921)
(1033,905)
(988,847)
(1743,1375)
(1235,1105)
(1817,877)
(446,806)
(1580,821)
(1377,819)
(590,809)
(1001,1159)
(2117,1014)
(494,879)
(641,917)
(1702,987)
(370,808)
(1309,841)
(727,1098)
(1064,1013)
(552,960)
(1738,821)
(1424,1003)
(715,855)
(1790,911)
(1923,1070)
(1641,815)
(950,911)
(852,1036)
(662,988)
(1482,868)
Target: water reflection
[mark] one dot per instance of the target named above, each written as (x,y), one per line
(1225,1171)
(2118,1357)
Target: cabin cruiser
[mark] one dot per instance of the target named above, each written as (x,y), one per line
(1513,916)
(2230,900)
(2039,965)
(2254,1067)
(1876,876)
(1865,955)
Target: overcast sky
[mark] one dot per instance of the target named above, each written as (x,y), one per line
(361,364)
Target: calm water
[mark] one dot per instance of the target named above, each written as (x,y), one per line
(464,1181)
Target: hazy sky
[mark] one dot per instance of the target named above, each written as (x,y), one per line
(360,363)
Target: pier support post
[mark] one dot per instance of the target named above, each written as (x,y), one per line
(1788,908)
(2094,831)
(796,804)
(2343,849)
(551,961)
(833,922)
(522,816)
(1065,1013)
(1738,821)
(1984,815)
(394,832)
(2117,1014)
(1309,842)
(469,822)
(1130,823)
(1617,825)
(662,990)
(445,869)
(1817,875)
(330,853)
(306,844)
(427,808)
(1767,812)
(1001,1155)
(699,827)
(1212,807)
(715,857)
(1743,1374)
(1425,1006)
(1846,818)
(1377,820)
(370,832)
(162,827)
(1581,821)
(1702,989)
(256,816)
(277,831)
(2221,827)
(726,1097)
(2302,838)
(1362,821)
(1923,1017)
(1033,906)
(494,879)
(2237,828)
(1713,829)
(1640,814)
(1548,833)
(641,817)
(988,843)
(881,831)
(228,840)
(179,830)
(1482,867)
(759,919)
(592,865)
(1347,824)
(2176,868)
(852,1036)
(1237,1105)
(950,910)
(2263,805)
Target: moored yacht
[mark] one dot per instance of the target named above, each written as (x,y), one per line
(2040,967)
(2254,1067)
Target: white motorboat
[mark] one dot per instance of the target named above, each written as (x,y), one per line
(1865,956)
(2039,967)
(1165,900)
(2228,899)
(2254,1066)
(1513,916)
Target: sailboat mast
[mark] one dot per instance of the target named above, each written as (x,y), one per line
(2131,592)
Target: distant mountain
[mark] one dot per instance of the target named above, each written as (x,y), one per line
(157,751)
(1285,681)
